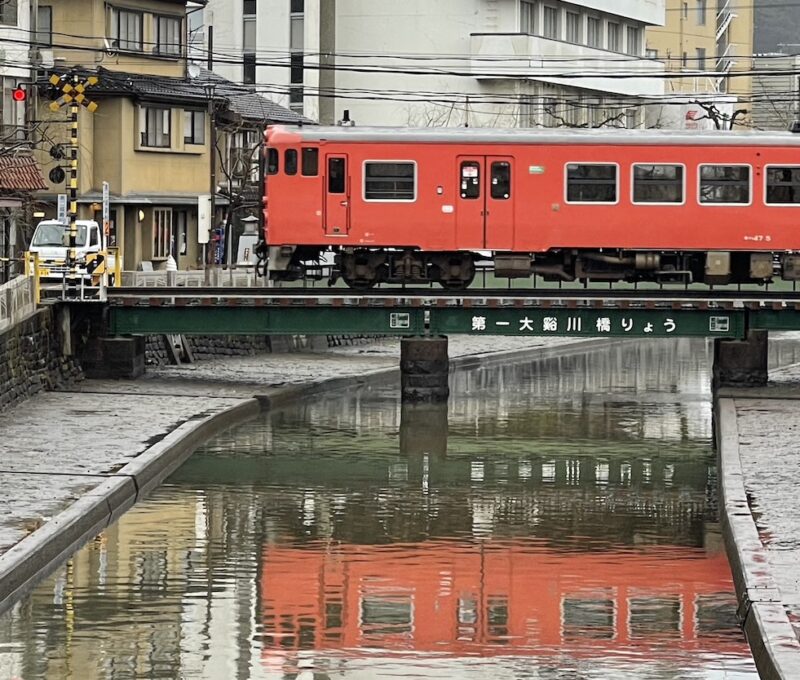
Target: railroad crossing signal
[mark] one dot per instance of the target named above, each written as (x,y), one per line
(74,91)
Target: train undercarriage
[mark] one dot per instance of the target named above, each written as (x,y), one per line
(363,268)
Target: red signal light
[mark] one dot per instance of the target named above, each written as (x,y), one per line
(19,94)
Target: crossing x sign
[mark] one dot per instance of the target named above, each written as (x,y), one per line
(73,92)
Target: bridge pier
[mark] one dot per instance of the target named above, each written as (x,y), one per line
(114,357)
(424,369)
(741,363)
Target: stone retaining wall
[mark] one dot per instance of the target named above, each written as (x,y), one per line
(209,346)
(31,360)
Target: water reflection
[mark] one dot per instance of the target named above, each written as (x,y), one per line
(557,521)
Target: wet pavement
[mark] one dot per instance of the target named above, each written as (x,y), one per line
(558,520)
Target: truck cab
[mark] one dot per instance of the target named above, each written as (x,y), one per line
(51,242)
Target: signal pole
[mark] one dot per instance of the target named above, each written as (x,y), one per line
(73,94)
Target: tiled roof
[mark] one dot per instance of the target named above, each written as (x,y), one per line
(241,99)
(20,173)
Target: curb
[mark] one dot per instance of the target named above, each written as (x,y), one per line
(40,553)
(775,647)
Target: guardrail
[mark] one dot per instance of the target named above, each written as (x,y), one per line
(17,300)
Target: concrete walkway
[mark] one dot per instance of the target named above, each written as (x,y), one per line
(758,433)
(91,452)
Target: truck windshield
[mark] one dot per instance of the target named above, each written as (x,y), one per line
(57,235)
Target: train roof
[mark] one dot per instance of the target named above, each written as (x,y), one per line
(611,136)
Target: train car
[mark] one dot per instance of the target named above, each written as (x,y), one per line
(425,205)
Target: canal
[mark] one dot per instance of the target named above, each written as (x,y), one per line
(558,520)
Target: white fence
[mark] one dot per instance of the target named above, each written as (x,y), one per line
(214,277)
(17,300)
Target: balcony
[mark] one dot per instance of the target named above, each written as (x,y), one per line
(498,56)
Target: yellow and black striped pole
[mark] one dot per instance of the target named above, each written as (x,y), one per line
(74,95)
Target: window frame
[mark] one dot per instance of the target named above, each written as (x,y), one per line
(580,27)
(191,140)
(291,162)
(558,27)
(163,211)
(9,14)
(600,38)
(304,165)
(766,176)
(116,16)
(646,203)
(725,165)
(617,182)
(619,36)
(144,133)
(48,36)
(389,200)
(158,48)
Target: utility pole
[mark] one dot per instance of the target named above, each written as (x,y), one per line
(212,134)
(73,95)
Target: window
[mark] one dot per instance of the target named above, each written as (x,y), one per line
(783,185)
(126,29)
(310,162)
(527,17)
(249,35)
(684,60)
(501,180)
(248,7)
(574,28)
(272,161)
(180,219)
(296,32)
(634,46)
(290,161)
(8,12)
(296,95)
(249,68)
(651,53)
(701,12)
(168,35)
(724,184)
(296,67)
(550,25)
(701,58)
(154,126)
(591,183)
(685,10)
(194,127)
(657,183)
(162,232)
(337,178)
(614,37)
(594,32)
(297,6)
(470,180)
(389,181)
(44,25)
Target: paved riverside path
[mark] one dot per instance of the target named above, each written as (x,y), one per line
(58,446)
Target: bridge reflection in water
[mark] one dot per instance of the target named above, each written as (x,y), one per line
(557,521)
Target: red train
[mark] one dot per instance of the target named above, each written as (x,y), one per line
(421,205)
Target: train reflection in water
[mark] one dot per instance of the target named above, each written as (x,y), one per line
(557,521)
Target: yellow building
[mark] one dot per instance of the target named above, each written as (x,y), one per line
(705,43)
(149,137)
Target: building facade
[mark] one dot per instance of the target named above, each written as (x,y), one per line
(707,46)
(454,62)
(776,91)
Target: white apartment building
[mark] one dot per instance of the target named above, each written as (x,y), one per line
(450,62)
(15,64)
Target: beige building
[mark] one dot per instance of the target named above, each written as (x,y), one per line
(150,136)
(704,43)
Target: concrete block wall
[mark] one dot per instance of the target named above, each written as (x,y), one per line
(31,360)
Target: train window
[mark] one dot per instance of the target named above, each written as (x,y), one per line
(272,161)
(724,184)
(390,181)
(470,179)
(310,161)
(657,183)
(336,175)
(290,161)
(783,185)
(591,183)
(501,180)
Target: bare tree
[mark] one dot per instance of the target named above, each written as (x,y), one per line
(721,121)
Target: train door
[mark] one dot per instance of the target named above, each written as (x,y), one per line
(337,195)
(485,211)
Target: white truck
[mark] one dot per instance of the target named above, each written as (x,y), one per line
(51,241)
